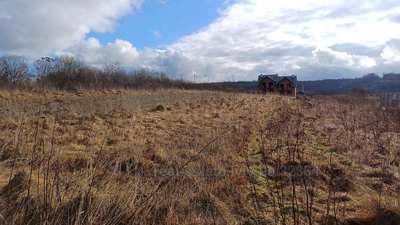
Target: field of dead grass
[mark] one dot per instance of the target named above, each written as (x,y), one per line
(195,157)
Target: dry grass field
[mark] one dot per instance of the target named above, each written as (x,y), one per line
(196,157)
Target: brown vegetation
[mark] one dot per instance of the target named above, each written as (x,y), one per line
(67,73)
(196,157)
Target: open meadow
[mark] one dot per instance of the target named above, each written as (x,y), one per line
(197,157)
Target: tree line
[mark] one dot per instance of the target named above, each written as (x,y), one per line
(68,73)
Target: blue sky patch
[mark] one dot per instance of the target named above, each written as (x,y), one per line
(162,22)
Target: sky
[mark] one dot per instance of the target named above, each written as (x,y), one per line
(159,23)
(211,40)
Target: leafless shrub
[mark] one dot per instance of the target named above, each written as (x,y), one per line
(44,66)
(13,71)
(66,73)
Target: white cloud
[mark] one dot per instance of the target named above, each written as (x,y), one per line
(391,52)
(93,53)
(313,39)
(329,58)
(308,36)
(175,63)
(38,27)
(391,55)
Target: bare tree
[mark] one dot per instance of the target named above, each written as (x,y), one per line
(13,69)
(44,66)
(111,68)
(67,64)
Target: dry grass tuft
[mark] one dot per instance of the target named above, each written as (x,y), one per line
(196,157)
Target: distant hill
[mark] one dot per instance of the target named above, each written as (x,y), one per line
(371,82)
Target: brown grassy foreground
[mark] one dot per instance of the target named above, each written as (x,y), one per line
(191,157)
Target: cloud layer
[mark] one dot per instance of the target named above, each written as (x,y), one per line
(38,27)
(314,39)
